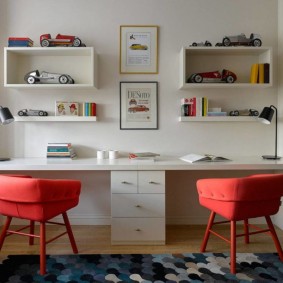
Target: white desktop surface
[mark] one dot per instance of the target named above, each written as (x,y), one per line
(161,163)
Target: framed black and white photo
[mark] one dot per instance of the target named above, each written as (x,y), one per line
(138,49)
(138,105)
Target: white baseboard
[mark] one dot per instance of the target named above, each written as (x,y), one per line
(88,219)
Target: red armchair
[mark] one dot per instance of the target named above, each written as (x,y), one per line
(241,199)
(37,200)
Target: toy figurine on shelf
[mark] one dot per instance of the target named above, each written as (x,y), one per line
(34,77)
(223,76)
(241,39)
(30,112)
(206,43)
(60,40)
(245,112)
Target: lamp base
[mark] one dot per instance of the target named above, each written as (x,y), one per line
(272,157)
(4,158)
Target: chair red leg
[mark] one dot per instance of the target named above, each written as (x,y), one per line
(4,230)
(70,233)
(246,229)
(31,231)
(42,249)
(233,247)
(274,237)
(207,232)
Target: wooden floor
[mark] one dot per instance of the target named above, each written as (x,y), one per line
(96,239)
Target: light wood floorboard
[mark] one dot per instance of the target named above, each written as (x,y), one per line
(96,240)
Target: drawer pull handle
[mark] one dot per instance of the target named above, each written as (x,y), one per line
(138,230)
(153,183)
(138,205)
(126,183)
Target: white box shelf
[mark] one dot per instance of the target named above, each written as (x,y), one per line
(237,59)
(78,62)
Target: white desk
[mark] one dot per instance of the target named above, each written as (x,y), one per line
(151,214)
(162,163)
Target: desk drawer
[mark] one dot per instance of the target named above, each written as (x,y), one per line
(138,205)
(151,182)
(124,182)
(138,231)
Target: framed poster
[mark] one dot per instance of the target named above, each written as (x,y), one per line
(138,49)
(138,105)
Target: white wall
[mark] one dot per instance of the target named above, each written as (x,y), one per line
(181,22)
(97,22)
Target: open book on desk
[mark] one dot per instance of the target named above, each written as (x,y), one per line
(191,158)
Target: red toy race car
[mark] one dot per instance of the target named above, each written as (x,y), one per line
(223,76)
(60,40)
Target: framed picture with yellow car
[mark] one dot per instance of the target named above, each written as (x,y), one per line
(138,49)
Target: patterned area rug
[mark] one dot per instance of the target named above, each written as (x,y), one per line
(190,267)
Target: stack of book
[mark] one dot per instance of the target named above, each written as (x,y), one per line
(20,42)
(60,150)
(89,109)
(143,156)
(194,106)
(259,73)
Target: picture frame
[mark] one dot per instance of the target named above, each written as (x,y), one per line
(138,49)
(63,108)
(139,105)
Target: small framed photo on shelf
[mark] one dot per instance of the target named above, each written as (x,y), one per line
(138,105)
(63,108)
(138,49)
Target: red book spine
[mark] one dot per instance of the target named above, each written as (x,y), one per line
(93,109)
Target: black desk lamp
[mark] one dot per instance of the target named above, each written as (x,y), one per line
(5,118)
(266,118)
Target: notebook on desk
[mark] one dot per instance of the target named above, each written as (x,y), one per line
(192,157)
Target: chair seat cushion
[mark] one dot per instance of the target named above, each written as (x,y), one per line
(36,211)
(233,210)
(242,198)
(37,199)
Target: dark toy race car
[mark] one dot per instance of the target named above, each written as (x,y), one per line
(223,76)
(60,40)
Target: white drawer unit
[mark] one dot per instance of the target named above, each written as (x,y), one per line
(138,207)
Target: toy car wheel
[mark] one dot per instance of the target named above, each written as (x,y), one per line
(194,44)
(226,41)
(40,113)
(230,79)
(31,80)
(21,113)
(234,113)
(257,42)
(63,79)
(207,43)
(77,42)
(197,78)
(45,43)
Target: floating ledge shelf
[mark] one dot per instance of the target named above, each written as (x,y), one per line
(218,119)
(55,119)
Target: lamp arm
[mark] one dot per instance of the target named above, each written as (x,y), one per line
(276,118)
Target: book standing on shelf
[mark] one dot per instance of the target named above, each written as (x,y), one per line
(89,109)
(194,106)
(259,73)
(60,150)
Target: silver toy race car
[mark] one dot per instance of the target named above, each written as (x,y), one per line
(241,39)
(30,112)
(244,112)
(34,77)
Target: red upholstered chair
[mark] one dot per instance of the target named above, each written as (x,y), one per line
(37,200)
(241,199)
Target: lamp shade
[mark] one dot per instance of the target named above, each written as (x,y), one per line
(266,115)
(6,116)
